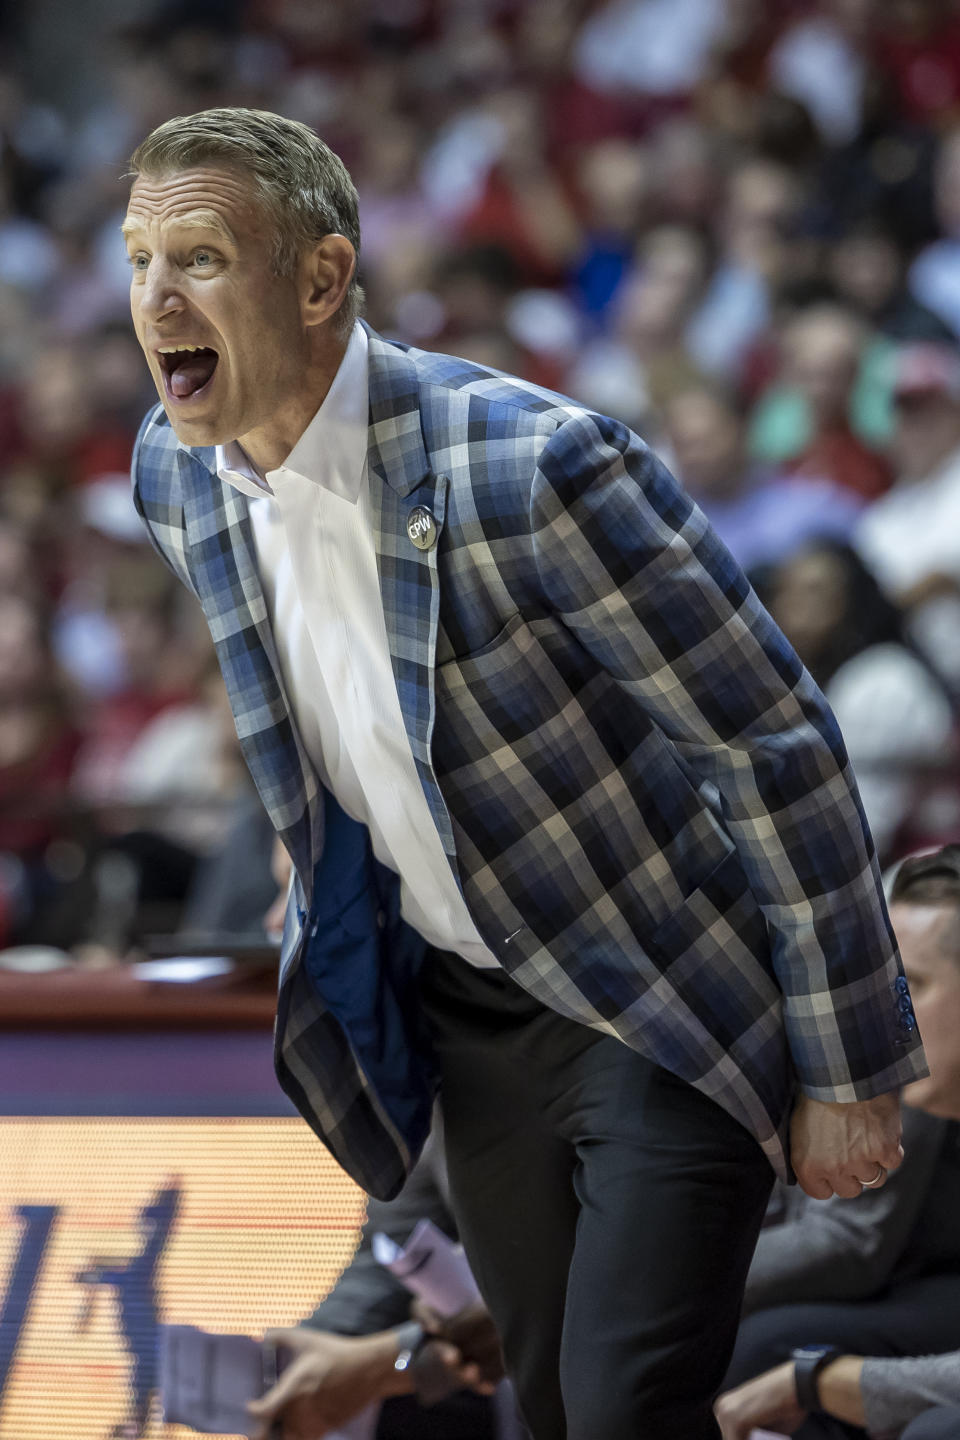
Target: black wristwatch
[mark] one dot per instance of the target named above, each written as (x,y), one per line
(808,1362)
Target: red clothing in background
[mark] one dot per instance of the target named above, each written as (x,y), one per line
(840,456)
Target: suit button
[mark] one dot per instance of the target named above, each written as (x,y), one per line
(381,919)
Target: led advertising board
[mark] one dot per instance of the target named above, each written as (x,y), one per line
(112,1223)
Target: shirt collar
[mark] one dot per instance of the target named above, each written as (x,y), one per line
(332,451)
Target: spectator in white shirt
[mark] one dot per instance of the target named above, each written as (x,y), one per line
(894,713)
(910,538)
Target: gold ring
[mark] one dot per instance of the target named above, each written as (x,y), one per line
(880,1175)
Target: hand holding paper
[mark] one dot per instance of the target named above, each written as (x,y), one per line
(431,1266)
(448,1307)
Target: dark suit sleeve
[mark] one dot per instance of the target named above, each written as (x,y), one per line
(847,1249)
(367,1297)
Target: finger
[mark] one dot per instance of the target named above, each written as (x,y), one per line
(814,1185)
(490,1352)
(873,1178)
(293,1339)
(426,1316)
(891,1156)
(729,1429)
(448,1355)
(272,1404)
(847,1186)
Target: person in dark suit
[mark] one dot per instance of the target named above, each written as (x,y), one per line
(574,833)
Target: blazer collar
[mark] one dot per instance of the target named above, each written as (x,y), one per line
(396,450)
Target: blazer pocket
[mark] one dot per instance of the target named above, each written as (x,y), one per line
(507,689)
(503,636)
(723,892)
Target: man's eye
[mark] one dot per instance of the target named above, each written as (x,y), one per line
(203,259)
(138,261)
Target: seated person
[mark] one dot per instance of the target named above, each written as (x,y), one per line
(895,714)
(916,1310)
(345,1355)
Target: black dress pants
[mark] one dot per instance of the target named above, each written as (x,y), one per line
(608,1209)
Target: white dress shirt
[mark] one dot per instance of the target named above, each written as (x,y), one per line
(314,542)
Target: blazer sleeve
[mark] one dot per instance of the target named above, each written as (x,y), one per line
(633,569)
(843,1250)
(367,1298)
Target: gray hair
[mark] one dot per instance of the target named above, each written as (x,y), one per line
(305,188)
(931,879)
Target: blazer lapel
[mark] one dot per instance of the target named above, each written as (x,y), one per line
(409,583)
(224,571)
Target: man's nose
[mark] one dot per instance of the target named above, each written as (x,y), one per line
(161,294)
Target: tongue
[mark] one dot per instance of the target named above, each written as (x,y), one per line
(193,373)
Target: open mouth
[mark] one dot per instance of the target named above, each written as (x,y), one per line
(187,369)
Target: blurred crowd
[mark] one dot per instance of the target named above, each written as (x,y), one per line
(734,225)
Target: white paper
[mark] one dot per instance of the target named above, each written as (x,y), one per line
(431,1266)
(767,1435)
(206,1380)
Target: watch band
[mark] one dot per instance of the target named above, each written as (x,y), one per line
(808,1362)
(409,1339)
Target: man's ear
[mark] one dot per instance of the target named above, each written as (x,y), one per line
(325,274)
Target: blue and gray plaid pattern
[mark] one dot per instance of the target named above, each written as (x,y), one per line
(642,793)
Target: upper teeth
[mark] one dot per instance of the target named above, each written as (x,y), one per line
(172,349)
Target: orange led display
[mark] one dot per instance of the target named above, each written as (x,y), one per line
(110,1226)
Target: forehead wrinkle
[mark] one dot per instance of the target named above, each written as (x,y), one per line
(161,197)
(194,220)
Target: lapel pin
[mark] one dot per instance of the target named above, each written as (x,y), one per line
(422,528)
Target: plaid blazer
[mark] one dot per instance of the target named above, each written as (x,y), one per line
(642,793)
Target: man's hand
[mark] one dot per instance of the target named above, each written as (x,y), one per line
(474,1340)
(769,1400)
(329,1379)
(837,1149)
